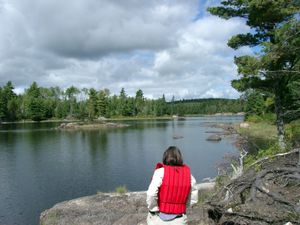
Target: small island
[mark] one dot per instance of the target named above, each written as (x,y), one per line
(89,126)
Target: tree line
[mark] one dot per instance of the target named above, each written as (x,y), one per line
(40,103)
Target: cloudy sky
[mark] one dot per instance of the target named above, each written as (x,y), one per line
(171,47)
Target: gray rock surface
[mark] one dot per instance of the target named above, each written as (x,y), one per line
(112,209)
(102,208)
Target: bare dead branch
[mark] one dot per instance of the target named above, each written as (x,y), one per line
(274,156)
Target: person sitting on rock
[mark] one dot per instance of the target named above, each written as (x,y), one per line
(172,188)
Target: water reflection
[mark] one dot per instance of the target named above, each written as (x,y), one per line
(40,166)
(7,141)
(95,142)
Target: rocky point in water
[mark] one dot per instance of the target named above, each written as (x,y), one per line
(113,208)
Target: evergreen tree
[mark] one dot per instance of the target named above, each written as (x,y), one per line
(172,110)
(139,103)
(8,99)
(113,106)
(124,104)
(34,105)
(14,109)
(62,109)
(92,104)
(36,109)
(2,106)
(161,106)
(71,93)
(275,26)
(255,103)
(102,103)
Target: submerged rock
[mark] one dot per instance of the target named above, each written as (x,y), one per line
(177,136)
(214,138)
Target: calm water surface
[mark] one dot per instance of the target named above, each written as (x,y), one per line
(40,166)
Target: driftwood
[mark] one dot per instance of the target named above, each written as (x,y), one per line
(275,156)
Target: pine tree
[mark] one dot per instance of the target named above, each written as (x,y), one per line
(276,27)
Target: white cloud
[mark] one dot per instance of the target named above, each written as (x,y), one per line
(202,63)
(92,28)
(156,46)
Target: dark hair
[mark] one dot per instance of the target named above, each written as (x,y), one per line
(172,157)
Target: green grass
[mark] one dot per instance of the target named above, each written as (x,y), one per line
(266,130)
(261,130)
(267,118)
(263,135)
(268,152)
(121,189)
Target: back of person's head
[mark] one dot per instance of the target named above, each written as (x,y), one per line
(172,157)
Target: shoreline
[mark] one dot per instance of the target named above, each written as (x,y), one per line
(106,203)
(120,118)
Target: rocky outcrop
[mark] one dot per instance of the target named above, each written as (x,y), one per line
(102,208)
(112,208)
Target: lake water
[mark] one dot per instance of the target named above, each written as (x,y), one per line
(40,166)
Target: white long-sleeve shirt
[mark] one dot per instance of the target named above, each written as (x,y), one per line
(152,193)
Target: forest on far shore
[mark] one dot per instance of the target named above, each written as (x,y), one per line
(40,103)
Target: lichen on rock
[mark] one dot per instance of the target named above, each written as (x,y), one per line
(113,208)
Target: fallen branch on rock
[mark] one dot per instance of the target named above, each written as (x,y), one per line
(274,156)
(270,196)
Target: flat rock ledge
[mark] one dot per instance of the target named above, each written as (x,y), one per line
(113,209)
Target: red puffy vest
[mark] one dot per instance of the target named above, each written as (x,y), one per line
(174,191)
